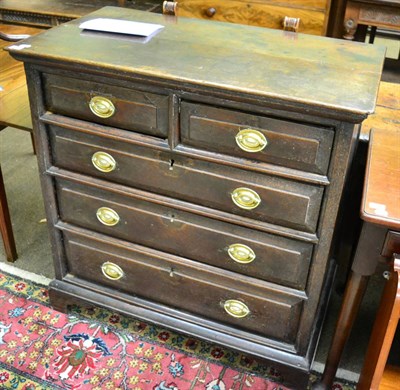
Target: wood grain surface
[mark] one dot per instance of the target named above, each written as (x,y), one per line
(269,14)
(14,102)
(381,201)
(267,63)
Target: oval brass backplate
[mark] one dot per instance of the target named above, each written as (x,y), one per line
(251,140)
(102,106)
(240,253)
(236,308)
(245,198)
(107,216)
(103,162)
(112,271)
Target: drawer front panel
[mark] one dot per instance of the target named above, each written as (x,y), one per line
(392,244)
(143,112)
(282,201)
(255,13)
(181,284)
(260,255)
(284,143)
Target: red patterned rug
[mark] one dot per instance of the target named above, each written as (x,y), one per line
(41,348)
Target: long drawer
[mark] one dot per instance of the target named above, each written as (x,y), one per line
(277,141)
(211,293)
(127,108)
(253,195)
(263,256)
(264,13)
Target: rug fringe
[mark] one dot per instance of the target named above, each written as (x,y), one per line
(26,275)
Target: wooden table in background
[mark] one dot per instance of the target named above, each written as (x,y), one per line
(15,112)
(48,13)
(381,210)
(380,213)
(377,13)
(14,102)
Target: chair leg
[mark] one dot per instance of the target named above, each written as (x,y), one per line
(5,225)
(33,144)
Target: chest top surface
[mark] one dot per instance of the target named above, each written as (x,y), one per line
(296,68)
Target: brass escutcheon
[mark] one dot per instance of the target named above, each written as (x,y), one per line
(103,161)
(236,308)
(107,216)
(245,198)
(112,271)
(251,140)
(102,106)
(241,253)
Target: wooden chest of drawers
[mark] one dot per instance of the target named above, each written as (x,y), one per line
(199,189)
(313,14)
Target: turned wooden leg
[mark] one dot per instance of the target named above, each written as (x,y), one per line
(33,144)
(353,295)
(5,224)
(383,332)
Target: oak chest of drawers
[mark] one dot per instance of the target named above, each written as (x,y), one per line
(199,189)
(313,15)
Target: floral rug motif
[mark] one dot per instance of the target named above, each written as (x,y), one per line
(95,349)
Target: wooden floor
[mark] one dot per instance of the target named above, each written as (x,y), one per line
(390,379)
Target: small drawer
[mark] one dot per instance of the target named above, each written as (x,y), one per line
(245,193)
(227,246)
(256,137)
(179,283)
(130,109)
(392,244)
(266,13)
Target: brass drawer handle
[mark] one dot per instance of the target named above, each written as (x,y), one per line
(241,253)
(210,12)
(107,216)
(112,271)
(236,308)
(101,106)
(103,162)
(291,24)
(251,140)
(245,198)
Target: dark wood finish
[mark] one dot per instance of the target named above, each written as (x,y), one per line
(278,259)
(289,144)
(380,211)
(336,17)
(182,284)
(392,242)
(134,110)
(246,80)
(283,202)
(377,13)
(175,203)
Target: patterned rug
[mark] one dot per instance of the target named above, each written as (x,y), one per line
(41,348)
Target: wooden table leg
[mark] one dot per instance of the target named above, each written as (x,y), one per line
(5,224)
(383,332)
(364,265)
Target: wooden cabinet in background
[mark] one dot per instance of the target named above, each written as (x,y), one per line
(313,14)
